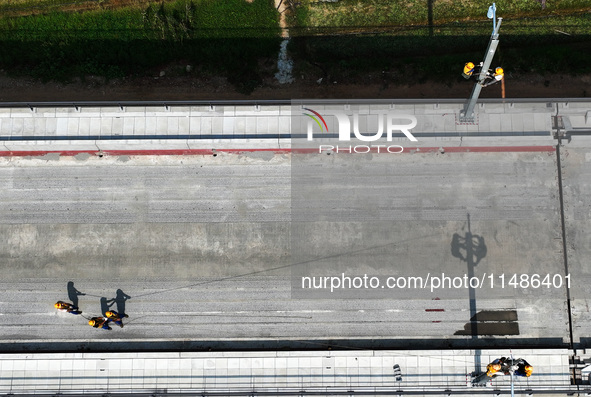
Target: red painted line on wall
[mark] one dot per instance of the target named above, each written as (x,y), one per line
(211,152)
(492,149)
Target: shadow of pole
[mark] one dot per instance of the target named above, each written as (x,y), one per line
(475,249)
(472,295)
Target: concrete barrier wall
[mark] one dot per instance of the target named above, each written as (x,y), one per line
(88,128)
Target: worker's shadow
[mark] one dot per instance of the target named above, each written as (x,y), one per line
(73,293)
(118,302)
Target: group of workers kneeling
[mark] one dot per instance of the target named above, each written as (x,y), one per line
(504,365)
(489,78)
(95,322)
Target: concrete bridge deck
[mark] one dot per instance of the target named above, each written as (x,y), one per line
(200,243)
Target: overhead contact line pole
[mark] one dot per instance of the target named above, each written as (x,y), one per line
(467,114)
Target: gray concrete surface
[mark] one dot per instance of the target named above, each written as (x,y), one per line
(293,373)
(202,244)
(200,125)
(576,174)
(204,252)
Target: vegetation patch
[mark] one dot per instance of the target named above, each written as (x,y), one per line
(410,54)
(404,41)
(353,15)
(227,36)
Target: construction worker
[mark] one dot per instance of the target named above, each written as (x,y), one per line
(99,322)
(528,370)
(492,78)
(524,369)
(116,317)
(470,69)
(492,369)
(67,307)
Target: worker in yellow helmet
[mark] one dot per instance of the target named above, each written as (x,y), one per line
(492,369)
(67,307)
(524,369)
(116,317)
(470,69)
(528,370)
(99,322)
(492,78)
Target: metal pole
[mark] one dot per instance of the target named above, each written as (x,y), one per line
(467,114)
(494,7)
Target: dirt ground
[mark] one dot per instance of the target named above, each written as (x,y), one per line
(217,88)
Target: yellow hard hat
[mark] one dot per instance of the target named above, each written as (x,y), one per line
(470,65)
(91,323)
(110,314)
(57,305)
(499,70)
